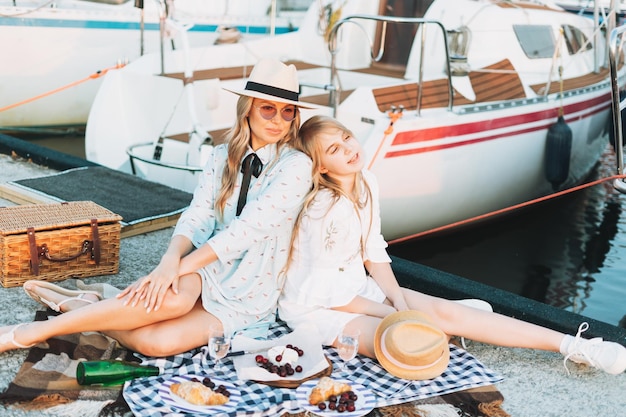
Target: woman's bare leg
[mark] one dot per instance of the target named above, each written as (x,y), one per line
(169,337)
(112,315)
(458,320)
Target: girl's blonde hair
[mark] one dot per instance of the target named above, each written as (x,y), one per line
(306,141)
(238,139)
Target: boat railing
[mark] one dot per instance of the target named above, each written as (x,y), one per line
(616,52)
(134,153)
(333,47)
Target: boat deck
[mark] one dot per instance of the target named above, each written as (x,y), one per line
(497,82)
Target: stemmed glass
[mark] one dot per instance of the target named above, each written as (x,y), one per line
(219,345)
(347,346)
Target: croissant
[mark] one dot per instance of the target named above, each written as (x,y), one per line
(326,387)
(197,393)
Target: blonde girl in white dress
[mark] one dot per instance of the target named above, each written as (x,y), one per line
(339,273)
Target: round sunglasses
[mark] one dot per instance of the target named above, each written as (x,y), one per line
(268,112)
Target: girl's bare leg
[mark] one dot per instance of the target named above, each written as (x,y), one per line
(112,315)
(367,325)
(483,326)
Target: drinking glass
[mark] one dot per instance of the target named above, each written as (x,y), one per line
(347,346)
(219,345)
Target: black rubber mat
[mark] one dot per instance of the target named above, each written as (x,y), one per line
(134,198)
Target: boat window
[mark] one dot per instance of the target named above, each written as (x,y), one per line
(537,41)
(575,39)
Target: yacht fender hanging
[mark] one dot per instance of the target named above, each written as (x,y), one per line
(558,150)
(558,147)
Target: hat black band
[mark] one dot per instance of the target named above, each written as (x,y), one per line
(273,91)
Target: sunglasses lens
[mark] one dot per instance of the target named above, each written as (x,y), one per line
(288,113)
(268,112)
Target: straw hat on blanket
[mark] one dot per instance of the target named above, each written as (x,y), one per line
(408,345)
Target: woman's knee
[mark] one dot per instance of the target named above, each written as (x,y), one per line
(177,304)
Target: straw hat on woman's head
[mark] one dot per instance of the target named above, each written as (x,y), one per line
(408,345)
(272,80)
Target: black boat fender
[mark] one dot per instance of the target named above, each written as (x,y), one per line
(558,151)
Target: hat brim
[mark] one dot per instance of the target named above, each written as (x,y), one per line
(426,372)
(269,97)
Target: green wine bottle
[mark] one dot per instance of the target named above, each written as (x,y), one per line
(111,372)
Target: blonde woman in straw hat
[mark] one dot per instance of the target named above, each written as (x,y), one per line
(339,275)
(227,248)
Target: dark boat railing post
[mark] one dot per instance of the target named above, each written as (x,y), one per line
(333,47)
(162,17)
(139,5)
(618,104)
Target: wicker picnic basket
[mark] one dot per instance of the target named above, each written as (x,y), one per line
(52,242)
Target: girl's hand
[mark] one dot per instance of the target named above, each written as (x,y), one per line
(400,304)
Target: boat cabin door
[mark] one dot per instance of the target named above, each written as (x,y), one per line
(399,36)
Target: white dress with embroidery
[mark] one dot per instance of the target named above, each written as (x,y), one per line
(327,269)
(242,287)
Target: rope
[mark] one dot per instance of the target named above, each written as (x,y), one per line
(394,114)
(44,5)
(93,76)
(507,209)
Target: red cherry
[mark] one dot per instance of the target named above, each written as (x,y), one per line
(258,358)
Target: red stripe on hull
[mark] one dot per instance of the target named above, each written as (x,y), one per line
(416,136)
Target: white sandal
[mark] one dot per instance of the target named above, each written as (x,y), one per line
(104,290)
(75,295)
(9,337)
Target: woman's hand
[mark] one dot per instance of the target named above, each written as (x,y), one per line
(152,288)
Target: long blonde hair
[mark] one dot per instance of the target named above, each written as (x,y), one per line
(238,139)
(306,141)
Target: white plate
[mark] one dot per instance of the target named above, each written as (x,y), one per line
(365,402)
(179,404)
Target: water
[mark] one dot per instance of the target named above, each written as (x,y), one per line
(568,252)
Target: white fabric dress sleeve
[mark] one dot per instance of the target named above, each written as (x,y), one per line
(197,222)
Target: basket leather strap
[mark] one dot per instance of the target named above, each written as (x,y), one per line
(95,236)
(38,252)
(34,253)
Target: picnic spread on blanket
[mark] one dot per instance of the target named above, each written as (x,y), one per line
(48,378)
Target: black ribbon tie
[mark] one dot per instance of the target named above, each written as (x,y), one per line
(250,166)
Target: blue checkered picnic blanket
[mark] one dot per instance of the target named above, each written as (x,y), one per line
(464,372)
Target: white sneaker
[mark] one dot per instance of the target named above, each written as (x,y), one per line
(477,304)
(607,356)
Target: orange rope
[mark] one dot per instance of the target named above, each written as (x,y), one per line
(506,209)
(93,76)
(393,116)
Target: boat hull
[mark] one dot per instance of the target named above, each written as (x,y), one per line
(52,63)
